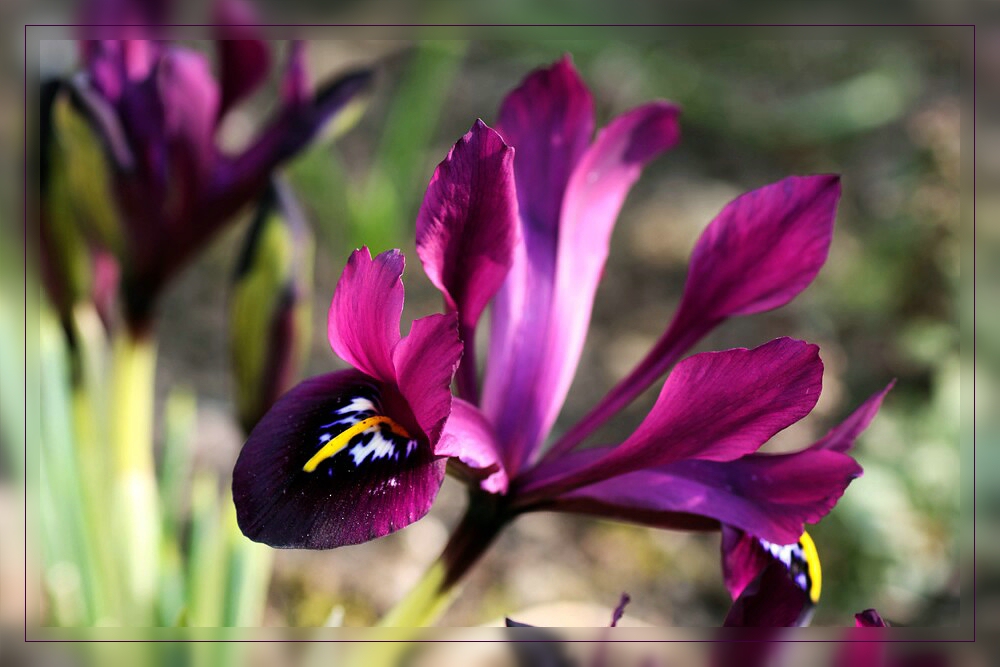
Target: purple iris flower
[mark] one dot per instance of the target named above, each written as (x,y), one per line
(519,220)
(157,109)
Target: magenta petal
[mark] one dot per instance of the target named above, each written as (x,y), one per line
(763,249)
(292,129)
(467,226)
(770,496)
(841,437)
(244,57)
(363,324)
(379,482)
(714,406)
(468,436)
(549,120)
(425,363)
(594,196)
(718,406)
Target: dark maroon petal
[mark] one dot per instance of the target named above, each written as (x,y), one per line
(425,363)
(772,600)
(771,496)
(743,559)
(289,494)
(468,437)
(869,618)
(244,57)
(467,226)
(363,324)
(841,437)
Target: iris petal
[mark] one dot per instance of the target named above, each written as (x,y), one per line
(336,461)
(363,323)
(467,226)
(767,495)
(714,406)
(244,57)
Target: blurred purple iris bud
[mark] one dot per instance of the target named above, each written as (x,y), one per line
(269,311)
(519,219)
(156,108)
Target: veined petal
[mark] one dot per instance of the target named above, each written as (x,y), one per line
(425,363)
(469,438)
(594,197)
(549,120)
(363,324)
(772,585)
(772,496)
(467,226)
(244,57)
(714,406)
(841,437)
(763,249)
(334,463)
(717,406)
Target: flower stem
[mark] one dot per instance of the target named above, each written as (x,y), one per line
(135,493)
(484,518)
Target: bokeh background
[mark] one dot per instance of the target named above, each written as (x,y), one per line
(884,113)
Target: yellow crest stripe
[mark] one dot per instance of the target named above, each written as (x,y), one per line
(814,569)
(336,444)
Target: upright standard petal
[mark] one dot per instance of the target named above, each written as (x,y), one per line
(336,461)
(763,249)
(244,57)
(363,324)
(467,226)
(594,197)
(549,120)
